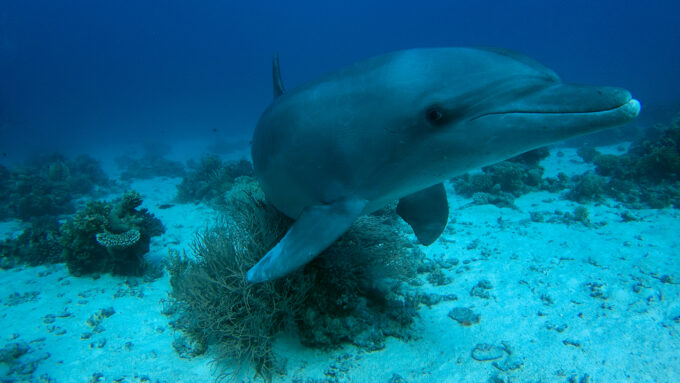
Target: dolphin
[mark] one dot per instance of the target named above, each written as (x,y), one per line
(395,126)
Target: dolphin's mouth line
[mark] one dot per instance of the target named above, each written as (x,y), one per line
(630,104)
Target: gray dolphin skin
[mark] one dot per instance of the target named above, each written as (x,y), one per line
(394,127)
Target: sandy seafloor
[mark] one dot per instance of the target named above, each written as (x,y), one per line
(568,303)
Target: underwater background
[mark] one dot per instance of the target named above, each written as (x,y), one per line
(125,181)
(80,73)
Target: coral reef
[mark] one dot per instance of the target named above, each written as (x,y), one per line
(6,186)
(213,298)
(647,176)
(149,167)
(48,185)
(37,245)
(587,187)
(109,237)
(356,295)
(210,179)
(501,183)
(151,163)
(353,292)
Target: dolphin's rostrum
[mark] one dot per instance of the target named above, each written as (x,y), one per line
(395,126)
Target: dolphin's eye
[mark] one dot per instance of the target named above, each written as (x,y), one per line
(434,114)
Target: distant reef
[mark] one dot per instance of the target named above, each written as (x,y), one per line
(501,183)
(647,176)
(102,237)
(48,185)
(210,179)
(148,166)
(38,244)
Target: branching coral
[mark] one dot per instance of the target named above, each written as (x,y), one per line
(211,179)
(351,293)
(216,301)
(357,294)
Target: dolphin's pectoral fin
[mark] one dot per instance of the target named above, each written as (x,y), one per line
(317,228)
(427,211)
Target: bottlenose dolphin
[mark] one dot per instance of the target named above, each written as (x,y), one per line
(395,126)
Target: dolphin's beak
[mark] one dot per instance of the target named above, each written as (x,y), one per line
(565,110)
(568,98)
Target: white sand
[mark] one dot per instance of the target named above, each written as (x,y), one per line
(545,276)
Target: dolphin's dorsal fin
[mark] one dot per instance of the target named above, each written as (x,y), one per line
(276,75)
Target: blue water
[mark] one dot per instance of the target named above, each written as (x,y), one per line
(576,276)
(80,74)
